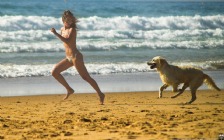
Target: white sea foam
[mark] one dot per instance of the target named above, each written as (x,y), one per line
(23,36)
(43,35)
(8,47)
(152,23)
(13,23)
(24,33)
(13,70)
(152,34)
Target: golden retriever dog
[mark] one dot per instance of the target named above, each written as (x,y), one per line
(175,75)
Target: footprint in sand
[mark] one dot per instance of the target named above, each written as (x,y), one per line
(67,121)
(104,118)
(68,134)
(5,126)
(54,135)
(189,112)
(145,111)
(106,110)
(70,113)
(85,120)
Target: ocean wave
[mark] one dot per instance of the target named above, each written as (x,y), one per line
(175,35)
(24,36)
(98,45)
(205,65)
(165,34)
(152,23)
(14,23)
(32,34)
(21,47)
(133,44)
(13,70)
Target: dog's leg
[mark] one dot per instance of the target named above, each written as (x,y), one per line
(194,85)
(161,90)
(175,86)
(193,98)
(180,90)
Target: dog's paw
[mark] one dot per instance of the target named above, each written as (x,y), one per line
(187,103)
(173,96)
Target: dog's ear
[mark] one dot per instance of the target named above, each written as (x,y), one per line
(162,62)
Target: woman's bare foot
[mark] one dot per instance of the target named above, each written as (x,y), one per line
(102,96)
(68,94)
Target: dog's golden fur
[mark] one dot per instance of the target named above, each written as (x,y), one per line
(175,75)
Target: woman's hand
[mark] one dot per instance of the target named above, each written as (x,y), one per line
(53,30)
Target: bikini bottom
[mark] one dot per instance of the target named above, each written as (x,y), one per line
(69,58)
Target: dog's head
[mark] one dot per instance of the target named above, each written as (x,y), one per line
(157,62)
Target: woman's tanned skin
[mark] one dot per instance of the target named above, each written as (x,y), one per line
(73,56)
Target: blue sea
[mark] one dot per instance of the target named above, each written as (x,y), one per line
(115,36)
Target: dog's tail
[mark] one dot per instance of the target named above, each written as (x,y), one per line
(210,83)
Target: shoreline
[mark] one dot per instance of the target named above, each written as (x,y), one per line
(127,82)
(129,115)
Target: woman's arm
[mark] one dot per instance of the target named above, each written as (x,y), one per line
(63,39)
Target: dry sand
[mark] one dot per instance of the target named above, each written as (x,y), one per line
(124,116)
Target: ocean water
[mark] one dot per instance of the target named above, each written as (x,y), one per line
(115,36)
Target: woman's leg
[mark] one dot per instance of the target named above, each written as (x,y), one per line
(56,73)
(79,64)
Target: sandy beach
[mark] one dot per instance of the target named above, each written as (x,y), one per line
(132,115)
(116,39)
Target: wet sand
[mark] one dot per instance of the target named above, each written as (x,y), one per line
(133,115)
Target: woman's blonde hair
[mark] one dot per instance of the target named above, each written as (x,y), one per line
(68,15)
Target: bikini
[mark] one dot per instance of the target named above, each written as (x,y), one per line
(69,58)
